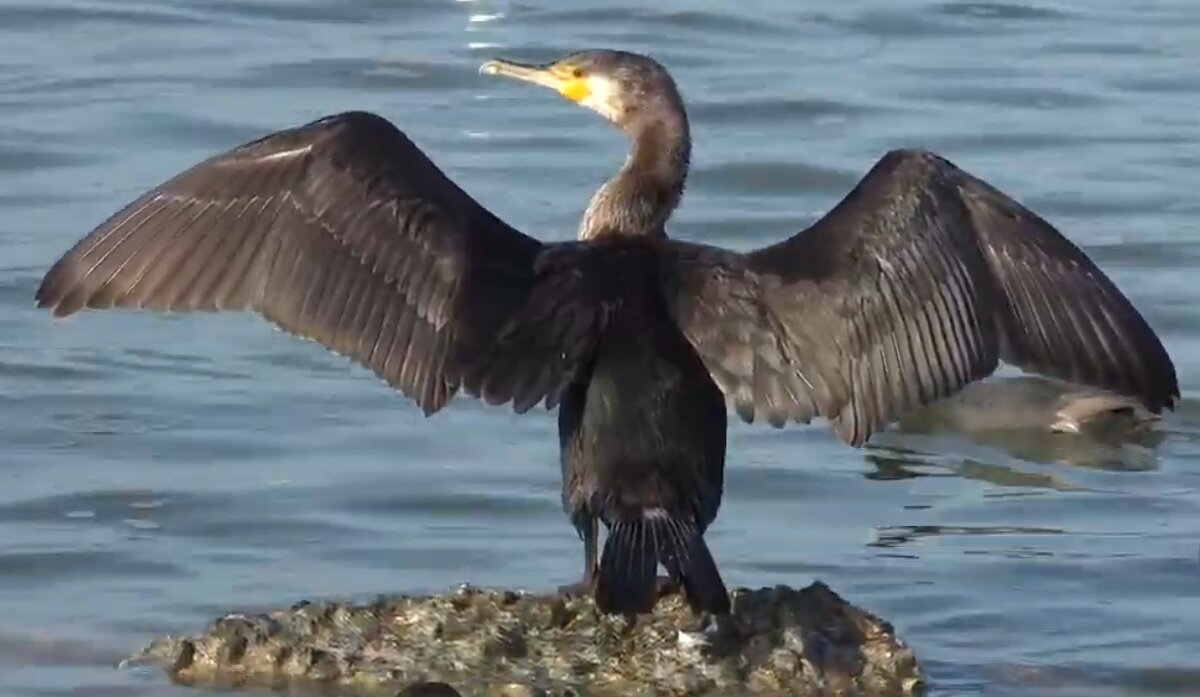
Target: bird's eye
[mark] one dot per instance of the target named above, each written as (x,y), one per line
(577,73)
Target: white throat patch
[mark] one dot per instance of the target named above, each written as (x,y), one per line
(601,96)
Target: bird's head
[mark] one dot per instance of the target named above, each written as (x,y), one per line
(625,88)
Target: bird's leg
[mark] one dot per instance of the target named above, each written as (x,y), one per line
(591,565)
(591,554)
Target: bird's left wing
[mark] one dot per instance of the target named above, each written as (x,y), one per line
(913,286)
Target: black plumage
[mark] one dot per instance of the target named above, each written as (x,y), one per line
(917,283)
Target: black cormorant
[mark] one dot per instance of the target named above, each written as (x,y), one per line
(917,283)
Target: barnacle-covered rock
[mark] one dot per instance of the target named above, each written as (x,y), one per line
(777,641)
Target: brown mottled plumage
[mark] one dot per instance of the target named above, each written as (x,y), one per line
(916,284)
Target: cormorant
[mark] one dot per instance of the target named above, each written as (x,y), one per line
(917,283)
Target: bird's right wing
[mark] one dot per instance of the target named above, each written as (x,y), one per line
(342,231)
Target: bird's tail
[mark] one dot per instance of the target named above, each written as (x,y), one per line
(629,565)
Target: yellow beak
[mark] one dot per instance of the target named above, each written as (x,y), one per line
(553,76)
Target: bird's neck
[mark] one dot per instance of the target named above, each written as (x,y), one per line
(641,197)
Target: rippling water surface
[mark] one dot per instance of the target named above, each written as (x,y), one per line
(160,470)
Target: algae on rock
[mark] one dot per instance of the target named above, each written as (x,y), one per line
(777,641)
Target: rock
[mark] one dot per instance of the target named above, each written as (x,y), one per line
(777,641)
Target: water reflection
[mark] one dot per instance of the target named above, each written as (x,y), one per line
(896,535)
(895,463)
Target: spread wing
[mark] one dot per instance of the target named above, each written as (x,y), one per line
(914,285)
(342,231)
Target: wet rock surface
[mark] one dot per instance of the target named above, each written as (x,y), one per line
(778,641)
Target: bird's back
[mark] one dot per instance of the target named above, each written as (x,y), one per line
(645,427)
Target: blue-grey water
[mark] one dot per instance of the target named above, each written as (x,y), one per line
(158,471)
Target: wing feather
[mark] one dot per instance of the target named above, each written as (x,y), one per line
(341,231)
(915,285)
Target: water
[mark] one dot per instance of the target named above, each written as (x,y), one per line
(159,471)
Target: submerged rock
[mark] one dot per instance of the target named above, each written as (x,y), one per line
(778,641)
(1032,402)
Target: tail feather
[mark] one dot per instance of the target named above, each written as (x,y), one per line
(628,568)
(694,567)
(634,548)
